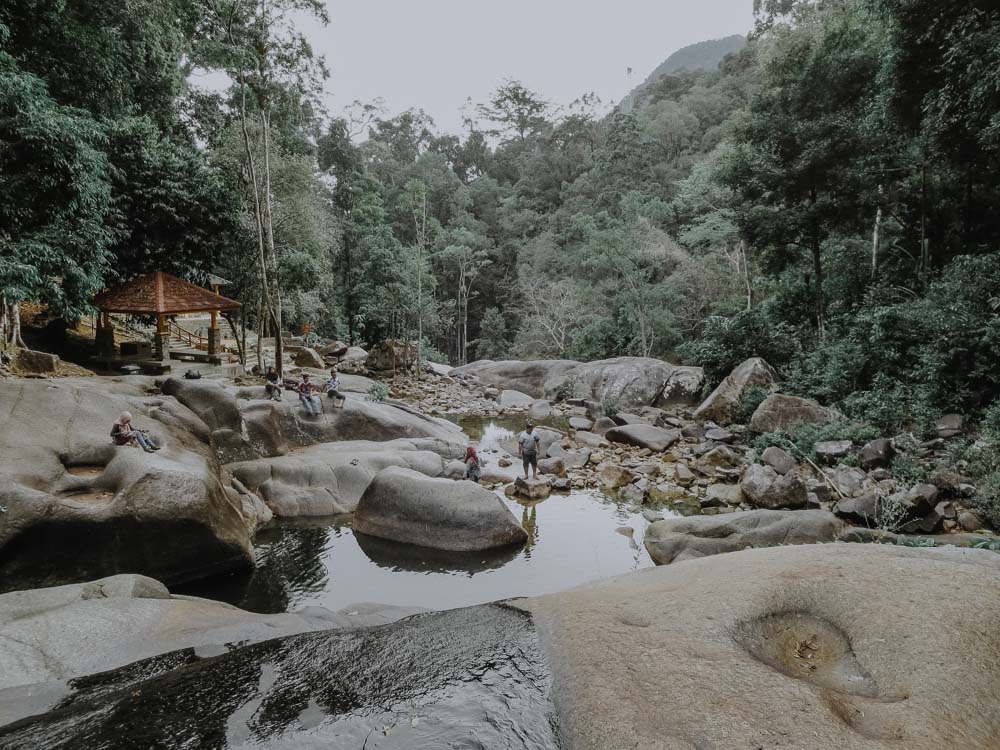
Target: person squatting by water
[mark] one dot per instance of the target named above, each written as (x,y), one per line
(333,389)
(527,449)
(306,391)
(123,433)
(272,384)
(473,469)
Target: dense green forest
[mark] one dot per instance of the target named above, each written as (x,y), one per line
(826,198)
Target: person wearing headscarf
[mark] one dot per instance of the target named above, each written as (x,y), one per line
(473,468)
(123,433)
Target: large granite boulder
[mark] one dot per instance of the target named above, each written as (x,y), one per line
(678,539)
(763,487)
(511,399)
(330,478)
(464,678)
(527,377)
(66,631)
(779,412)
(631,382)
(406,506)
(857,647)
(683,387)
(644,436)
(725,404)
(78,507)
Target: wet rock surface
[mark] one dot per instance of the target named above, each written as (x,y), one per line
(465,678)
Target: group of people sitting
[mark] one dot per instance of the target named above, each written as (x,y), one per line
(306,390)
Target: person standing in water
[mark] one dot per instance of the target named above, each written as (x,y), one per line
(473,469)
(527,448)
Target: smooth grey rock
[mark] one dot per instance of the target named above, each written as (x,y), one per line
(678,539)
(591,439)
(406,506)
(532,489)
(779,460)
(779,412)
(862,509)
(683,387)
(725,404)
(719,435)
(644,436)
(764,488)
(539,410)
(603,424)
(308,357)
(877,454)
(718,495)
(832,451)
(514,399)
(581,424)
(330,478)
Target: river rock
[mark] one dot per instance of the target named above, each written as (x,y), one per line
(527,377)
(683,387)
(603,424)
(725,404)
(950,425)
(849,480)
(679,539)
(539,410)
(862,509)
(719,495)
(391,355)
(614,477)
(631,382)
(763,487)
(719,435)
(580,424)
(410,684)
(80,508)
(832,451)
(308,357)
(77,629)
(969,521)
(531,488)
(591,439)
(644,436)
(330,478)
(333,349)
(877,454)
(510,399)
(758,646)
(39,363)
(779,412)
(406,506)
(779,460)
(552,467)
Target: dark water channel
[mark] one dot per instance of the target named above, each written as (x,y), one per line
(322,562)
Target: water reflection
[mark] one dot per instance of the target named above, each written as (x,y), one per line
(399,557)
(322,562)
(466,678)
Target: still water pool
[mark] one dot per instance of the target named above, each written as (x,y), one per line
(322,562)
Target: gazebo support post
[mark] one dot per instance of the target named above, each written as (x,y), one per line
(214,334)
(161,341)
(104,338)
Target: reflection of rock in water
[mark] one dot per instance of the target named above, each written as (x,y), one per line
(397,556)
(289,560)
(492,436)
(465,678)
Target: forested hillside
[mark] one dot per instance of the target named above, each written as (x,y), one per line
(701,56)
(827,198)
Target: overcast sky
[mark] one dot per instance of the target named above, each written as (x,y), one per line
(433,54)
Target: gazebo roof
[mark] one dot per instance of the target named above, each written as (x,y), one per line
(160,293)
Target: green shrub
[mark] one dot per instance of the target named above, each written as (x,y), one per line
(800,439)
(753,398)
(908,472)
(568,388)
(611,407)
(987,499)
(378,392)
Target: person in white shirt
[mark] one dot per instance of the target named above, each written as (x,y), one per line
(527,448)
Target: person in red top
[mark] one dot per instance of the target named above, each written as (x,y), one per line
(473,470)
(306,390)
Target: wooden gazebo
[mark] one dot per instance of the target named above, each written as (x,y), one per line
(161,295)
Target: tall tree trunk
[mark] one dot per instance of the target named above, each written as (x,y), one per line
(877,234)
(820,302)
(925,255)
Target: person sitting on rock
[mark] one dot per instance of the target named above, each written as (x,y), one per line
(473,470)
(123,433)
(527,449)
(333,389)
(306,390)
(272,385)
